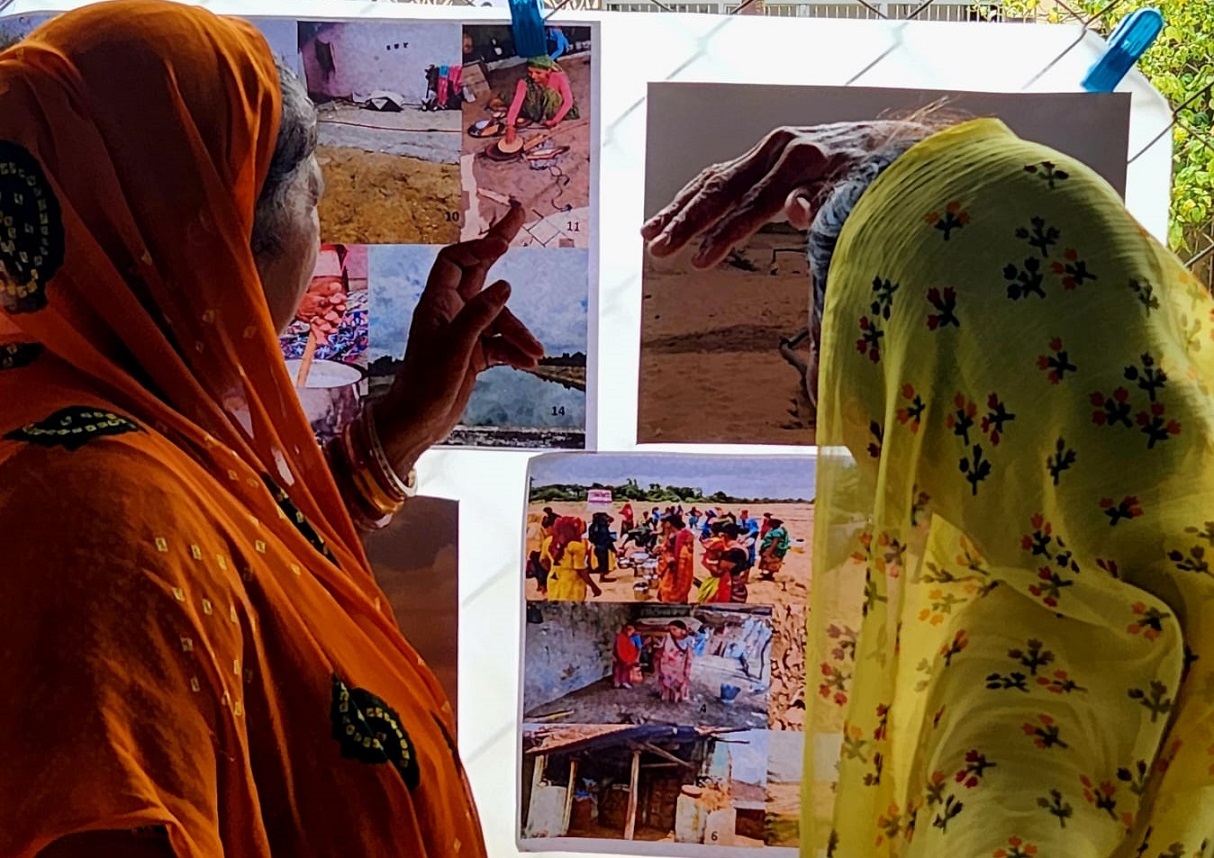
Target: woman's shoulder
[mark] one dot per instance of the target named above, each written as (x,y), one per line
(107,501)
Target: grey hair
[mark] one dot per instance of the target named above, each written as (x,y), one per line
(295,146)
(838,205)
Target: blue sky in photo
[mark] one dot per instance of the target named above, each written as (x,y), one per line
(737,476)
(550,295)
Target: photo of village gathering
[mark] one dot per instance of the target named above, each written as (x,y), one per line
(388,98)
(526,134)
(325,345)
(747,318)
(647,664)
(653,783)
(669,528)
(544,407)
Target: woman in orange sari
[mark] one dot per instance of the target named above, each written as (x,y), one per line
(677,561)
(197,658)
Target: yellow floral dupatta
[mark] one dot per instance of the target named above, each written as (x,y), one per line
(1011,639)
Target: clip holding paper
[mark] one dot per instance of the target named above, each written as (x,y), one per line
(530,37)
(1127,43)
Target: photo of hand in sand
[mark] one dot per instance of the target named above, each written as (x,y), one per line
(644,664)
(388,97)
(526,134)
(649,783)
(727,351)
(675,529)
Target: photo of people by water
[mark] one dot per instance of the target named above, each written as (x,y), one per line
(648,783)
(752,309)
(541,408)
(669,528)
(388,97)
(325,345)
(647,664)
(527,134)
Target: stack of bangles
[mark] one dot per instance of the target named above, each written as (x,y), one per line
(372,489)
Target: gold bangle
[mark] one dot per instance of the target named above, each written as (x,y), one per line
(366,514)
(394,484)
(375,497)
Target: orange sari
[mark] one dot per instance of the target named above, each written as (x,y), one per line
(186,645)
(678,567)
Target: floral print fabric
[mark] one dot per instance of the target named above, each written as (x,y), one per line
(1012,622)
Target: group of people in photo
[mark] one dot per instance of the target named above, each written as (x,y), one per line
(575,558)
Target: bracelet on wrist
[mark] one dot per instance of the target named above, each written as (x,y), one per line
(390,479)
(370,510)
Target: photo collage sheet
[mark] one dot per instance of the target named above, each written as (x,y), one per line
(663,651)
(415,154)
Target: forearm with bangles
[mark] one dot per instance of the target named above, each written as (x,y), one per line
(369,484)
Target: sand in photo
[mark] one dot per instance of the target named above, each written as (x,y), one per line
(788,586)
(572,665)
(770,497)
(712,368)
(648,783)
(550,174)
(389,151)
(723,351)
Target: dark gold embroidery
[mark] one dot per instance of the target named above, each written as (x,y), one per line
(297,518)
(31,231)
(73,427)
(18,355)
(369,731)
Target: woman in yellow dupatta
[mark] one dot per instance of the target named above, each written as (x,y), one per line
(1014,518)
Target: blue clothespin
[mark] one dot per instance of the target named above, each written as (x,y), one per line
(1128,42)
(527,21)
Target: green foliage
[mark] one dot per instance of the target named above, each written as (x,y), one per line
(1181,66)
(655,494)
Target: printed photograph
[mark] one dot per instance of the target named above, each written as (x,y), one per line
(785,765)
(419,552)
(738,333)
(283,36)
(388,96)
(681,529)
(526,134)
(325,346)
(15,28)
(540,408)
(787,699)
(647,664)
(650,783)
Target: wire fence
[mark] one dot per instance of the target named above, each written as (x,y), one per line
(1189,84)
